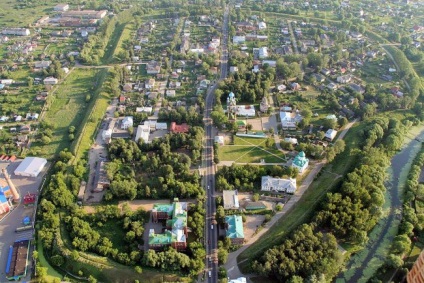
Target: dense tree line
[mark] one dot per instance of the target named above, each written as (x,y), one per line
(306,253)
(155,170)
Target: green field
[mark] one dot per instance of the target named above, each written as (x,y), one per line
(68,107)
(250,150)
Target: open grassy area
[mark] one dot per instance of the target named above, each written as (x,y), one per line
(86,135)
(122,44)
(306,206)
(68,107)
(22,14)
(250,150)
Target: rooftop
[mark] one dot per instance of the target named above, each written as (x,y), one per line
(235,226)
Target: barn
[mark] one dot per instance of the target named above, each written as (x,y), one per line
(30,167)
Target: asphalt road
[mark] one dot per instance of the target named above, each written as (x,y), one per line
(211,234)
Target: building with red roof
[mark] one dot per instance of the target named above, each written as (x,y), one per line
(183,128)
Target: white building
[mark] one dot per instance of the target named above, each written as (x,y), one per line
(239,39)
(145,109)
(289,120)
(50,81)
(280,185)
(330,134)
(161,126)
(143,132)
(61,7)
(127,122)
(107,135)
(238,280)
(30,167)
(7,81)
(263,52)
(230,199)
(245,110)
(16,31)
(262,25)
(219,140)
(42,64)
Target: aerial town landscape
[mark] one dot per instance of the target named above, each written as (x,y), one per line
(237,141)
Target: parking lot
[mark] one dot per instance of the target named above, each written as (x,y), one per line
(14,218)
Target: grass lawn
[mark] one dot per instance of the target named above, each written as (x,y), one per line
(250,150)
(125,36)
(68,107)
(306,206)
(92,119)
(19,14)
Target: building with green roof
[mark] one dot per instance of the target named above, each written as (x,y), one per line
(234,229)
(176,233)
(300,162)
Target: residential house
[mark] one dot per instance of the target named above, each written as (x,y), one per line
(281,88)
(325,71)
(234,229)
(233,69)
(153,68)
(127,87)
(357,88)
(143,132)
(6,82)
(25,129)
(149,84)
(280,185)
(396,91)
(238,39)
(289,120)
(238,280)
(344,79)
(32,116)
(230,199)
(332,86)
(293,141)
(42,64)
(144,109)
(262,25)
(16,31)
(127,122)
(300,162)
(176,231)
(264,106)
(204,83)
(295,86)
(61,7)
(122,99)
(263,52)
(183,128)
(50,81)
(170,93)
(330,134)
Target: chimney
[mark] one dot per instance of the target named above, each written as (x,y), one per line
(15,193)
